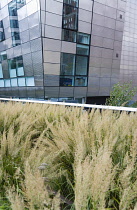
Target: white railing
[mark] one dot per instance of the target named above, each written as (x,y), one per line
(90,106)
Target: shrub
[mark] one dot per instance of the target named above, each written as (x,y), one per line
(55,158)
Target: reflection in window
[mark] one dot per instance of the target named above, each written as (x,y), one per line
(80,81)
(2,35)
(13,8)
(67,64)
(68,35)
(70,17)
(83,38)
(14,24)
(15,38)
(71,2)
(66,81)
(82,49)
(3,55)
(20,3)
(81,65)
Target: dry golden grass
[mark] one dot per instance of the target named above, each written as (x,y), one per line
(55,158)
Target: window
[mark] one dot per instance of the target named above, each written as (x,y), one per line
(70,17)
(1,72)
(81,81)
(83,38)
(14,82)
(3,55)
(82,49)
(1,83)
(21,81)
(72,2)
(14,24)
(2,35)
(30,81)
(68,35)
(20,3)
(74,70)
(16,67)
(81,65)
(66,81)
(13,8)
(7,83)
(67,64)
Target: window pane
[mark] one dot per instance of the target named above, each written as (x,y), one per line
(1,83)
(30,81)
(19,63)
(3,55)
(14,82)
(13,73)
(67,64)
(20,71)
(21,82)
(2,36)
(83,38)
(70,17)
(14,24)
(82,49)
(68,35)
(81,65)
(80,81)
(72,2)
(20,3)
(66,81)
(13,8)
(7,83)
(1,72)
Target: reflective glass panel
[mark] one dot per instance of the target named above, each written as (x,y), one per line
(1,72)
(67,64)
(3,55)
(21,81)
(14,82)
(72,2)
(14,24)
(69,36)
(20,71)
(13,8)
(19,63)
(30,81)
(83,38)
(12,67)
(20,3)
(82,49)
(80,81)
(1,83)
(2,37)
(66,81)
(7,82)
(70,17)
(81,65)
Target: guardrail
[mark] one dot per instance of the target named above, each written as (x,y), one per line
(87,106)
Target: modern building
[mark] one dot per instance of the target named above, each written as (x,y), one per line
(66,49)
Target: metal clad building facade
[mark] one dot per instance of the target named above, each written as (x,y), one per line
(66,49)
